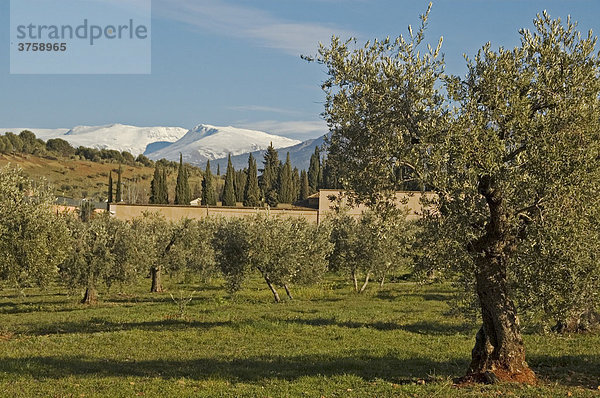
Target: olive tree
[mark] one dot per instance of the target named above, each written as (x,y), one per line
(345,238)
(193,253)
(282,250)
(373,245)
(560,276)
(99,252)
(501,147)
(157,246)
(230,242)
(33,238)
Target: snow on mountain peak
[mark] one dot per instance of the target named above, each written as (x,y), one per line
(199,144)
(205,142)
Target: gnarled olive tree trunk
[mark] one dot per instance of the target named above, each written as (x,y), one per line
(156,274)
(499,352)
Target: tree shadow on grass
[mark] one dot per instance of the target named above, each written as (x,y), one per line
(30,309)
(427,328)
(436,297)
(394,295)
(583,370)
(570,370)
(99,325)
(158,298)
(388,295)
(346,324)
(391,369)
(437,328)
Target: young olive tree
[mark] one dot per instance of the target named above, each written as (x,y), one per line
(193,253)
(312,251)
(501,147)
(33,238)
(345,257)
(282,250)
(387,244)
(271,251)
(286,250)
(230,242)
(374,245)
(157,244)
(98,253)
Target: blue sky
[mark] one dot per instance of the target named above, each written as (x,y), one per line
(227,62)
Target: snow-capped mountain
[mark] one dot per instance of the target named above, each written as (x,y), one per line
(121,137)
(205,142)
(299,155)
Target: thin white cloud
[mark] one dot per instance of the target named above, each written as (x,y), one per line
(260,108)
(302,129)
(257,26)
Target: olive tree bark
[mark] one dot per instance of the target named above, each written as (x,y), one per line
(270,284)
(364,286)
(287,291)
(156,271)
(156,275)
(499,352)
(90,296)
(355,280)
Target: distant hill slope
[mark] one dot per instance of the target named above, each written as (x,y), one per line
(299,155)
(205,142)
(84,179)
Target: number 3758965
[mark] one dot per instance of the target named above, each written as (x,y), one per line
(42,47)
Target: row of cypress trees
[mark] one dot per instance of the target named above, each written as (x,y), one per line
(159,191)
(118,195)
(279,183)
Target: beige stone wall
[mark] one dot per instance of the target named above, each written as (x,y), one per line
(412,199)
(127,212)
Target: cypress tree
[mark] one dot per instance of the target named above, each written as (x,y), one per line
(240,184)
(320,176)
(209,196)
(182,189)
(330,178)
(118,199)
(154,185)
(304,187)
(110,191)
(229,189)
(296,184)
(286,185)
(163,188)
(271,170)
(218,169)
(314,170)
(252,192)
(270,176)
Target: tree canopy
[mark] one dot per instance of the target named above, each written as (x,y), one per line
(33,238)
(509,144)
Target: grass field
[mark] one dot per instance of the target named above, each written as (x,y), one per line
(394,341)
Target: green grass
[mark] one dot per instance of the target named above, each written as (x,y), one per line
(395,341)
